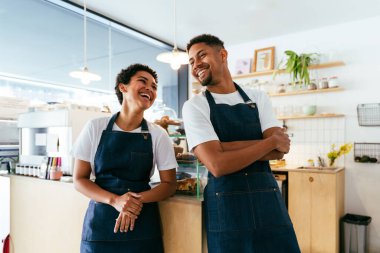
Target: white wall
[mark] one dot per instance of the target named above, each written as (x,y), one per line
(358,45)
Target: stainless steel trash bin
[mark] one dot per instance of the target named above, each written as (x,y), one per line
(354,229)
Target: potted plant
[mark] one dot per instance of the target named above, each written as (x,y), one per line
(297,66)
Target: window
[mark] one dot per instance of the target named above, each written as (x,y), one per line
(42,41)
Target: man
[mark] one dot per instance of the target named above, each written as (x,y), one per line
(234,133)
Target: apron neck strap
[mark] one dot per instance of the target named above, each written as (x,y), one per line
(144,125)
(245,97)
(112,121)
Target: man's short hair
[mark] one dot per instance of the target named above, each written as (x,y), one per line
(208,39)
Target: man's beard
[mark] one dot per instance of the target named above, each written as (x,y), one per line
(207,81)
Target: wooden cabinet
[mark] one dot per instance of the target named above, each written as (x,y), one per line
(316,203)
(181,218)
(4,208)
(47,216)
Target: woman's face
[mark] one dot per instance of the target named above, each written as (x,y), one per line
(140,92)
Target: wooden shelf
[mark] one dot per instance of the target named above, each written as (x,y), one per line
(305,92)
(316,116)
(8,119)
(282,71)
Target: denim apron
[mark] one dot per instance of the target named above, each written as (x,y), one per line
(244,211)
(123,162)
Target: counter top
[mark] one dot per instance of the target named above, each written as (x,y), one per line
(47,216)
(176,197)
(293,168)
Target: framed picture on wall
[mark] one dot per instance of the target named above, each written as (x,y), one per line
(263,59)
(243,66)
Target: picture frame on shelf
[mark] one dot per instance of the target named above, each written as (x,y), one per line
(243,66)
(263,59)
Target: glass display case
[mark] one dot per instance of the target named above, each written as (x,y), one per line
(191,173)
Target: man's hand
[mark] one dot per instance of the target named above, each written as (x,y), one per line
(282,140)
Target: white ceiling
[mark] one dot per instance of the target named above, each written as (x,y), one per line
(234,22)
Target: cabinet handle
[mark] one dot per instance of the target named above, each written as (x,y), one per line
(311,179)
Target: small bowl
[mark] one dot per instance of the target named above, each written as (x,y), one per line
(309,109)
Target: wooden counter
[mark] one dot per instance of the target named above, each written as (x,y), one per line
(316,204)
(47,216)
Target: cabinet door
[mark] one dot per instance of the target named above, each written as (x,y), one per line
(182,225)
(4,208)
(313,203)
(300,207)
(323,213)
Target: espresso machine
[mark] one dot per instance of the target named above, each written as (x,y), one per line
(9,145)
(50,134)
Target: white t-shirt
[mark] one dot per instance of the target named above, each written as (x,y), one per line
(88,141)
(196,114)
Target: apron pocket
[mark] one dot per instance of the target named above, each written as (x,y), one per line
(138,168)
(235,210)
(100,221)
(269,209)
(212,220)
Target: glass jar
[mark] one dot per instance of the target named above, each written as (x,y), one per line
(333,82)
(312,85)
(323,83)
(281,88)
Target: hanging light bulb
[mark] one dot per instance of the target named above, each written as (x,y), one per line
(84,75)
(175,58)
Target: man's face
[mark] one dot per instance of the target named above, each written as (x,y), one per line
(206,63)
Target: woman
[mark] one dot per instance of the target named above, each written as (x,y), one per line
(122,152)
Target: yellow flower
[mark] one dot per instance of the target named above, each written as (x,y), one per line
(344,149)
(334,154)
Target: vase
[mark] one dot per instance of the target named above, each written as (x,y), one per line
(332,162)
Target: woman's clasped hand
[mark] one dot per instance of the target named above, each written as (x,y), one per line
(129,205)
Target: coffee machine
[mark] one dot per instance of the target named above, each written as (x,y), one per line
(50,134)
(9,145)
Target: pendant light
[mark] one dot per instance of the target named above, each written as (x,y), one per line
(175,58)
(84,75)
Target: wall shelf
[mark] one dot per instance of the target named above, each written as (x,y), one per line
(282,71)
(11,120)
(316,116)
(299,92)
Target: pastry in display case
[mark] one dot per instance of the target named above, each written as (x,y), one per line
(165,122)
(191,175)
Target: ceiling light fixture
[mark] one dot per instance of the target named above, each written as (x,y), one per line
(84,75)
(175,58)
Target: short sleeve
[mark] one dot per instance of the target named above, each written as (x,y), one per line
(267,117)
(81,149)
(164,152)
(198,126)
